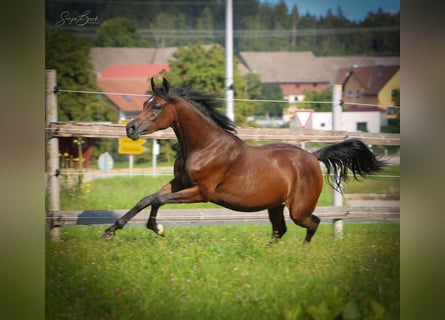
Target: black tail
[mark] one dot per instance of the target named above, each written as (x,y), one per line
(351,154)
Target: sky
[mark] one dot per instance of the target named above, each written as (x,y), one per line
(352,9)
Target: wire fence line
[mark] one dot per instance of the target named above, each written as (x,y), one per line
(126,174)
(56,90)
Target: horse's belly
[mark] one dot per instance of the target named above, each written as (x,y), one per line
(247,199)
(246,207)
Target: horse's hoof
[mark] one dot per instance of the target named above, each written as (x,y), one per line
(161,230)
(108,235)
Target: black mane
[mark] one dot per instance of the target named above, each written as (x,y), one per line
(206,103)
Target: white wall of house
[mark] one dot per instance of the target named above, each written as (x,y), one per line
(369,121)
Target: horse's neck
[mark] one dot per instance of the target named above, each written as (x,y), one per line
(196,132)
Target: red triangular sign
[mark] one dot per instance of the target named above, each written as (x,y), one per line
(303,116)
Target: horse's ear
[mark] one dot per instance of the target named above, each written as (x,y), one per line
(154,87)
(165,84)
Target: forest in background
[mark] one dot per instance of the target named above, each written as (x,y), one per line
(257,26)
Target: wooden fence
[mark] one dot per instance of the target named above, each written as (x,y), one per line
(107,130)
(220,215)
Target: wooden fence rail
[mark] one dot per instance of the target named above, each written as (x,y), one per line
(108,130)
(93,217)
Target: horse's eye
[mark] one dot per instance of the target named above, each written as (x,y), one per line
(157,107)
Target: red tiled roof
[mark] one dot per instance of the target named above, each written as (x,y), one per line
(129,79)
(134,70)
(126,103)
(372,79)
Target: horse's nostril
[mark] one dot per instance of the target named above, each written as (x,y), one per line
(130,128)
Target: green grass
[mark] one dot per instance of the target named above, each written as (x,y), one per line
(124,192)
(224,272)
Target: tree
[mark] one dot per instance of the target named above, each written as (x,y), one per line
(281,24)
(166,22)
(294,16)
(312,95)
(119,32)
(205,23)
(263,91)
(69,56)
(203,69)
(384,42)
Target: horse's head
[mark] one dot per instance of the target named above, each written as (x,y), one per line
(158,112)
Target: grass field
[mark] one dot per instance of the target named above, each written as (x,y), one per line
(224,272)
(124,192)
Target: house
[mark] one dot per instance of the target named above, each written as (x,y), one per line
(331,65)
(294,72)
(370,87)
(297,71)
(125,86)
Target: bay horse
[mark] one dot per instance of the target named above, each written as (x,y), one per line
(214,165)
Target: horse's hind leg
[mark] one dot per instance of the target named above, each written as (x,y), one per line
(313,225)
(308,221)
(276,217)
(301,213)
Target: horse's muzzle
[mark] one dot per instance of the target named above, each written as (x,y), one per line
(132,131)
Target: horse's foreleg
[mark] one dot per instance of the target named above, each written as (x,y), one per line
(167,189)
(189,195)
(120,223)
(152,224)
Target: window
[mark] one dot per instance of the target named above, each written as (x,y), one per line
(349,94)
(358,94)
(128,98)
(362,126)
(390,110)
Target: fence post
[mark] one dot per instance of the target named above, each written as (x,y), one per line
(337,197)
(52,157)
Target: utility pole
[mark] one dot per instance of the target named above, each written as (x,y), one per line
(337,197)
(229,61)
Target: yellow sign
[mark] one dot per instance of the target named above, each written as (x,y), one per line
(128,146)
